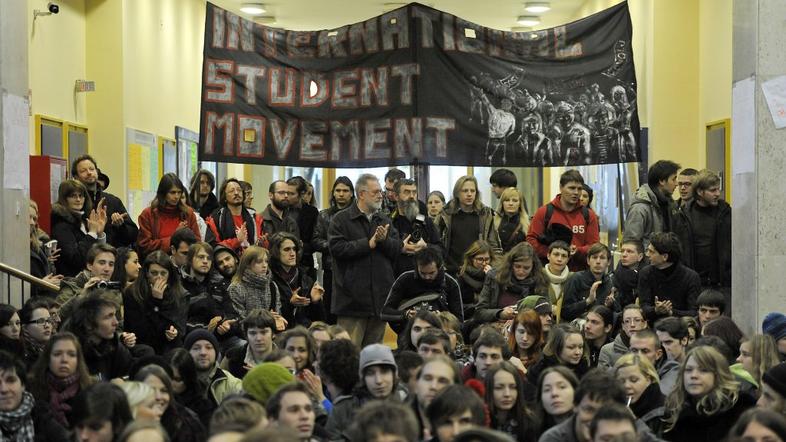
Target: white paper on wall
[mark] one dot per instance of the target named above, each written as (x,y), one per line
(16,163)
(775,94)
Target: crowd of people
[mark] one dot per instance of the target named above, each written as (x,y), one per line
(209,320)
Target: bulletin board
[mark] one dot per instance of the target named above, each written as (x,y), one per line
(168,149)
(144,169)
(49,136)
(187,147)
(75,141)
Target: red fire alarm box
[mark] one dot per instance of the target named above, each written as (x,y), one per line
(46,174)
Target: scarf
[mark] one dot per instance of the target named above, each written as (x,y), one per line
(289,276)
(474,278)
(17,425)
(226,225)
(60,391)
(521,288)
(32,347)
(556,281)
(261,286)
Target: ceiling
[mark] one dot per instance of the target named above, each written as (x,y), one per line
(328,14)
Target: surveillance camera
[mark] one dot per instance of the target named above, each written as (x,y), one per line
(53,7)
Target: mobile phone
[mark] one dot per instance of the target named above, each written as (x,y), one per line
(50,245)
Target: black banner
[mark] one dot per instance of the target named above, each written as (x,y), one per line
(418,84)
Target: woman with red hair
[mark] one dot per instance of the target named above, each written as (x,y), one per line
(526,337)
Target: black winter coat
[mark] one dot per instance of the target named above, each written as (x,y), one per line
(46,428)
(123,235)
(361,276)
(293,314)
(577,289)
(406,227)
(149,319)
(678,284)
(182,424)
(107,360)
(205,300)
(694,427)
(319,242)
(410,285)
(72,240)
(720,273)
(306,217)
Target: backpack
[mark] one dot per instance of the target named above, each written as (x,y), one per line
(558,231)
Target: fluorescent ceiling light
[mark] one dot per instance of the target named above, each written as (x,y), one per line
(528,20)
(521,29)
(253,8)
(537,7)
(265,20)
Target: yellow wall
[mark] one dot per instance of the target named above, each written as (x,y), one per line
(715,63)
(162,44)
(56,57)
(104,57)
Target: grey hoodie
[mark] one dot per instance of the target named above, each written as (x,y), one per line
(645,216)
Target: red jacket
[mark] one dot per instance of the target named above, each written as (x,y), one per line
(156,226)
(584,234)
(232,243)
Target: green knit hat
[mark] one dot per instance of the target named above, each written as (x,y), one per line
(265,379)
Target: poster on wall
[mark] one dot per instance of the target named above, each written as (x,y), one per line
(143,170)
(418,84)
(187,153)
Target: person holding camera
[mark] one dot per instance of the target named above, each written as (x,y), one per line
(97,274)
(564,218)
(427,287)
(413,225)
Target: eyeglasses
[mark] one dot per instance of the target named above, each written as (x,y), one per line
(41,321)
(684,184)
(482,259)
(633,321)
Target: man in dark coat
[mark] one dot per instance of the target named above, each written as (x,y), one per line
(342,196)
(415,227)
(667,287)
(200,195)
(704,228)
(121,231)
(364,246)
(427,285)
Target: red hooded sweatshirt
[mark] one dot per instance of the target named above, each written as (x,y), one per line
(584,234)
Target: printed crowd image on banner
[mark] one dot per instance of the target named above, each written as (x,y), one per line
(418,84)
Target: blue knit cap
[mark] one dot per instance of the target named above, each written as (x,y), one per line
(774,324)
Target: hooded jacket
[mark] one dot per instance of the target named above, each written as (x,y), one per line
(585,234)
(70,231)
(612,351)
(645,216)
(362,276)
(205,300)
(720,272)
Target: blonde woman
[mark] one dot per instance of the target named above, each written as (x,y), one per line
(513,221)
(706,401)
(252,286)
(640,380)
(142,401)
(757,355)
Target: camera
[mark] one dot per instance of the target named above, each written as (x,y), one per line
(418,229)
(108,285)
(53,7)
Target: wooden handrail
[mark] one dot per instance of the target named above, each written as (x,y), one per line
(28,277)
